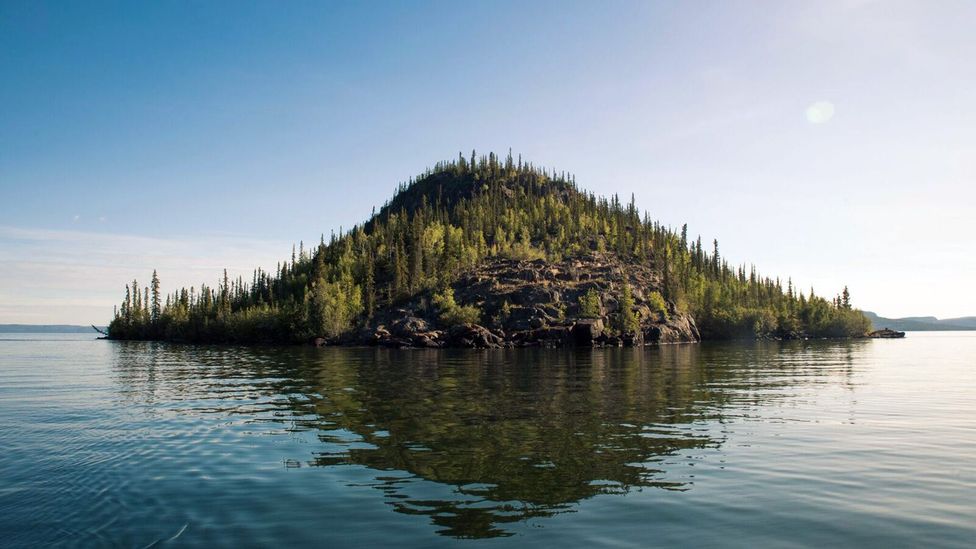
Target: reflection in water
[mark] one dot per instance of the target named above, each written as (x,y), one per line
(475,440)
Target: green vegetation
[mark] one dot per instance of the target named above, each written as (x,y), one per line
(452,314)
(589,304)
(627,321)
(657,304)
(449,219)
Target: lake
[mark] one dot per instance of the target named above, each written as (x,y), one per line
(775,444)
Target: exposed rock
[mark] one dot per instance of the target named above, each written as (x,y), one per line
(680,329)
(409,326)
(473,335)
(533,295)
(536,303)
(886,333)
(587,331)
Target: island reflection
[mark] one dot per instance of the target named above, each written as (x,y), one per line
(506,435)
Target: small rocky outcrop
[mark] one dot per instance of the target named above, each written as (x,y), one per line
(886,333)
(537,303)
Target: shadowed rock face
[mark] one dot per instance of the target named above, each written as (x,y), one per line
(537,303)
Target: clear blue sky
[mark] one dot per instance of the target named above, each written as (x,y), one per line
(831,141)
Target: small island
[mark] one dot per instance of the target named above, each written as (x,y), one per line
(489,252)
(886,333)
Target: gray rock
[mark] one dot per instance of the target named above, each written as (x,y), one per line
(473,335)
(586,331)
(409,326)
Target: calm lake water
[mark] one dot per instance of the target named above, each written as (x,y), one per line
(805,444)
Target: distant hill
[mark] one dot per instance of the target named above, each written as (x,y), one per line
(44,329)
(922,323)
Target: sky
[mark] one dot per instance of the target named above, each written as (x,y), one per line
(834,142)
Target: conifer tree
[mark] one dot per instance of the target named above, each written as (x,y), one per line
(628,320)
(156,304)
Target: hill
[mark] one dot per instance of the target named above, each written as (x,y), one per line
(923,323)
(489,252)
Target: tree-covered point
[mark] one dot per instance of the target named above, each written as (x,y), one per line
(445,222)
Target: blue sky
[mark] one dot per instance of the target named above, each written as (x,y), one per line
(831,141)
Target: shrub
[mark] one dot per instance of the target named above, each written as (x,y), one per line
(655,301)
(452,314)
(590,304)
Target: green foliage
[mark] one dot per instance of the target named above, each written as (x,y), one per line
(452,314)
(334,306)
(656,303)
(627,320)
(589,304)
(446,221)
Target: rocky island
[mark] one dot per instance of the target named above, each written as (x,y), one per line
(486,252)
(886,333)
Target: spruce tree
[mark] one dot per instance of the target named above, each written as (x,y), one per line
(156,304)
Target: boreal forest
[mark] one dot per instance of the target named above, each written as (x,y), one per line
(449,221)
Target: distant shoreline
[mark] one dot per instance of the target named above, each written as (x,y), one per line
(45,329)
(923,323)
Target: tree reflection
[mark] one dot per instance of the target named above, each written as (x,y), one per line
(476,440)
(517,434)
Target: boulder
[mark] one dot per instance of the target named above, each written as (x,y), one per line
(679,329)
(409,326)
(473,335)
(427,340)
(586,331)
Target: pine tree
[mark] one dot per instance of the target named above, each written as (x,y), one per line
(369,288)
(628,323)
(156,304)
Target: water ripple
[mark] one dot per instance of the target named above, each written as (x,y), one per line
(864,443)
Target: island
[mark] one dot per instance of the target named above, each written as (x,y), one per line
(886,333)
(484,252)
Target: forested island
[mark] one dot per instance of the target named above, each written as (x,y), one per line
(492,252)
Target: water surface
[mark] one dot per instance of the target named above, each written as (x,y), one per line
(806,444)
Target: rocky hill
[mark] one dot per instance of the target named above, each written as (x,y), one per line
(492,252)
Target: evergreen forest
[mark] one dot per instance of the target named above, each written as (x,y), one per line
(446,221)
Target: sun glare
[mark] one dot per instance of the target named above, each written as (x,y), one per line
(820,112)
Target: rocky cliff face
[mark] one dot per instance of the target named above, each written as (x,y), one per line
(537,303)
